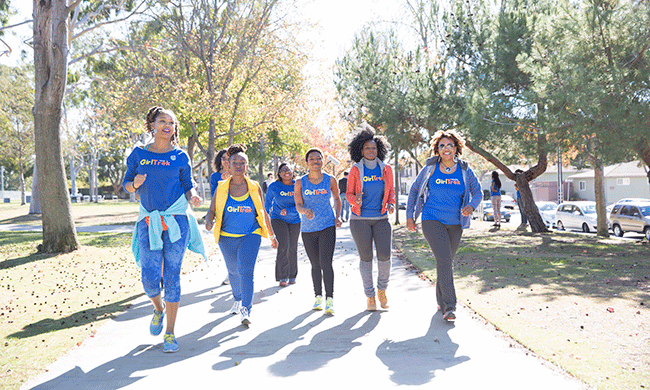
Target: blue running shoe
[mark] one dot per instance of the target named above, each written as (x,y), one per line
(155,327)
(329,306)
(318,304)
(169,345)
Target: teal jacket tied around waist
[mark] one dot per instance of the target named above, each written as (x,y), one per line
(180,207)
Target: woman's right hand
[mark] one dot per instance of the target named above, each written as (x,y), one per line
(357,198)
(138,180)
(411,226)
(309,214)
(209,222)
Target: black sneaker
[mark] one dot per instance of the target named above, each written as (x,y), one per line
(449,315)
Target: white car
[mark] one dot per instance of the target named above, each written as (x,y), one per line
(507,202)
(632,200)
(577,216)
(547,212)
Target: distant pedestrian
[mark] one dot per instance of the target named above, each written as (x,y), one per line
(371,192)
(312,193)
(495,198)
(446,192)
(162,174)
(221,172)
(267,182)
(345,205)
(280,204)
(240,221)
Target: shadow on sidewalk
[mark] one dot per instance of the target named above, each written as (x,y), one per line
(326,346)
(415,361)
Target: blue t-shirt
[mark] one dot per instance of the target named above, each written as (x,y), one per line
(317,198)
(215,178)
(239,217)
(279,196)
(445,197)
(494,190)
(373,193)
(169,176)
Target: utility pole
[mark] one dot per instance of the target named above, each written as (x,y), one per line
(560,190)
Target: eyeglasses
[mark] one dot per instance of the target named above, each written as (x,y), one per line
(443,146)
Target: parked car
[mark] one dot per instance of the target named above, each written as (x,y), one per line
(488,212)
(507,202)
(631,217)
(402,200)
(547,212)
(576,215)
(632,200)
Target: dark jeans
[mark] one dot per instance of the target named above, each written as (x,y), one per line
(320,250)
(444,241)
(286,260)
(524,219)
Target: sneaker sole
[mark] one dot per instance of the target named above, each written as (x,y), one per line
(317,308)
(170,350)
(451,317)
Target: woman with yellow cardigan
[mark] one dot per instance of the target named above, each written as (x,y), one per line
(240,221)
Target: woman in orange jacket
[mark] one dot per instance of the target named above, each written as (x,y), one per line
(371,193)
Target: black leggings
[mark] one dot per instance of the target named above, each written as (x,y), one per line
(286,260)
(320,250)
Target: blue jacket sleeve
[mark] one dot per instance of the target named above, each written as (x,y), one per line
(214,182)
(475,189)
(413,194)
(268,200)
(131,169)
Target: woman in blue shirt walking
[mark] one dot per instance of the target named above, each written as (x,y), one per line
(162,175)
(280,204)
(446,192)
(318,225)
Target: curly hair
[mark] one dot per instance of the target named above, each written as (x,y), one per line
(277,174)
(236,149)
(151,118)
(365,133)
(452,135)
(313,150)
(216,164)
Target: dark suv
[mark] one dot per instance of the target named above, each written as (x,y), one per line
(631,217)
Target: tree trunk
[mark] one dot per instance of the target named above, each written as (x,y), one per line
(35,203)
(21,177)
(599,183)
(530,208)
(50,72)
(211,151)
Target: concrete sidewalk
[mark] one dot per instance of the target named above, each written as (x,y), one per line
(290,345)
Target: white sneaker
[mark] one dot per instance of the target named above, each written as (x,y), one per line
(318,304)
(245,316)
(235,307)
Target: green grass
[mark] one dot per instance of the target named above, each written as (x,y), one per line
(576,300)
(50,303)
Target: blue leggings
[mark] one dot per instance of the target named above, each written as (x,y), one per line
(240,254)
(152,261)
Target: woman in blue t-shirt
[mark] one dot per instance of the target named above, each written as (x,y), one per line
(220,166)
(281,206)
(240,221)
(162,175)
(446,192)
(371,192)
(318,225)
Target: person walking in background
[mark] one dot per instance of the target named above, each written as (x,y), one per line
(221,172)
(280,204)
(267,182)
(318,225)
(240,221)
(371,192)
(445,192)
(495,198)
(345,205)
(161,173)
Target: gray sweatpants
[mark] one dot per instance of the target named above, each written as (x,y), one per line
(364,232)
(444,241)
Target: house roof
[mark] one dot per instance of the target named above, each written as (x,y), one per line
(628,169)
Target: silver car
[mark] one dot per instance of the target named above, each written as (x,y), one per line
(547,212)
(631,217)
(576,215)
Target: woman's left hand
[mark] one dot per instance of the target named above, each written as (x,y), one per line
(196,200)
(274,243)
(467,211)
(283,212)
(337,222)
(391,208)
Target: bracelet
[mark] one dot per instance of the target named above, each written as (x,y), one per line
(134,187)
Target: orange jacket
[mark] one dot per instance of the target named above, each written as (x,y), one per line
(355,185)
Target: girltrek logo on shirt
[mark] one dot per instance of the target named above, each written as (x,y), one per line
(240,209)
(454,182)
(316,192)
(372,178)
(284,193)
(164,163)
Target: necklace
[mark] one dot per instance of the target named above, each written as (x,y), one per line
(448,169)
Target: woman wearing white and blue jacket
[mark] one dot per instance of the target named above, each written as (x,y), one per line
(446,192)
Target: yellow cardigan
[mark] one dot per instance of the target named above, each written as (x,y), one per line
(222,196)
